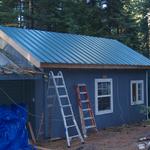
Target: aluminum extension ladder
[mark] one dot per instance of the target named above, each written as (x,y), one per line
(70,124)
(85,109)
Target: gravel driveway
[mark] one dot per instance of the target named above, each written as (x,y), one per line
(118,138)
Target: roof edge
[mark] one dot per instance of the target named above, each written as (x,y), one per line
(93,66)
(19,48)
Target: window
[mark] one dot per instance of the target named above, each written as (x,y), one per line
(103,96)
(137,92)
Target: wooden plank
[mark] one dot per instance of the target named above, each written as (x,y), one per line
(31,132)
(2,44)
(92,66)
(40,128)
(20,49)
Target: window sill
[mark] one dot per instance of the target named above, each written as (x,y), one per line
(104,112)
(137,103)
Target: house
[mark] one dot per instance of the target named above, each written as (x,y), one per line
(116,76)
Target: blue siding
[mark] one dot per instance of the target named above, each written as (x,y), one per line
(123,113)
(39,105)
(18,77)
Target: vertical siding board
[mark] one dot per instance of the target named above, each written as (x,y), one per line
(39,104)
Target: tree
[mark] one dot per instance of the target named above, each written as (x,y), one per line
(8,13)
(123,19)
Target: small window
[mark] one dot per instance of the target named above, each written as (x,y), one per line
(103,96)
(137,92)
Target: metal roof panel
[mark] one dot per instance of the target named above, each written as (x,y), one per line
(63,48)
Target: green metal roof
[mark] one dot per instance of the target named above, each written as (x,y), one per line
(63,48)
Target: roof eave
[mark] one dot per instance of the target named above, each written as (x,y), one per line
(92,66)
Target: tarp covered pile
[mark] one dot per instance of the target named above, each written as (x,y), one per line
(13,132)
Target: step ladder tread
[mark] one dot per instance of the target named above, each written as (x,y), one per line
(84,101)
(73,136)
(88,118)
(71,126)
(87,109)
(60,86)
(57,77)
(88,127)
(63,96)
(68,105)
(83,92)
(80,85)
(67,116)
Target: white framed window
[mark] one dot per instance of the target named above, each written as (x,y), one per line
(103,96)
(137,92)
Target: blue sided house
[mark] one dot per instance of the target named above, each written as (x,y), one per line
(116,77)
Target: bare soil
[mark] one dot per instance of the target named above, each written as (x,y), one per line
(118,138)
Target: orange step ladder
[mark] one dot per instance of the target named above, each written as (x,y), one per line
(85,109)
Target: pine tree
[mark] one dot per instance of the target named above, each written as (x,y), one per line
(8,13)
(123,19)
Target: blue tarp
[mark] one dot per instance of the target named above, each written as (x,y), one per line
(13,132)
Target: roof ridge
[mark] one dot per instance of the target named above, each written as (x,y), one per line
(65,33)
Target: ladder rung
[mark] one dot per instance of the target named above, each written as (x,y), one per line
(63,96)
(88,118)
(58,77)
(60,86)
(66,106)
(81,85)
(83,92)
(74,136)
(71,126)
(68,116)
(88,127)
(87,109)
(84,101)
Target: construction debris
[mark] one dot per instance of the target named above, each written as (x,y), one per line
(144,143)
(7,66)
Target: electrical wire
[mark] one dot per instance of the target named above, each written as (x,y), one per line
(13,101)
(31,114)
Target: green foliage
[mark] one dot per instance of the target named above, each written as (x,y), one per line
(144,110)
(8,14)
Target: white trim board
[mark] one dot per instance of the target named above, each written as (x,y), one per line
(2,44)
(111,97)
(20,49)
(137,102)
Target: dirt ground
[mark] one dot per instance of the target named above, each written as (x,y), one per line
(118,138)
